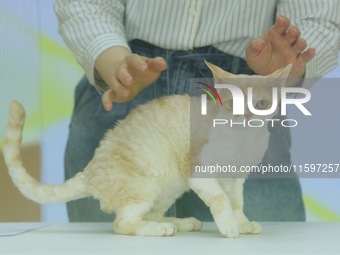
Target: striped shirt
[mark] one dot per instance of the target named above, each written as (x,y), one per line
(90,27)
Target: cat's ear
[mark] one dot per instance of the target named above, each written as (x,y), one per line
(282,72)
(280,76)
(218,73)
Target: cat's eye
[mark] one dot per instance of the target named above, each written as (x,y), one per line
(231,103)
(262,104)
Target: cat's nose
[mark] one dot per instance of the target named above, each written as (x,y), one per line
(248,115)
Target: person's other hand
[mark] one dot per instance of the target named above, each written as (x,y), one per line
(126,74)
(280,46)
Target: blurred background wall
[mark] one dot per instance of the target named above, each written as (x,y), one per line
(37,69)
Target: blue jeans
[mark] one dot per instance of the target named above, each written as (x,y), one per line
(270,199)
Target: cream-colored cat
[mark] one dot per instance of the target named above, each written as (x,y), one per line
(143,165)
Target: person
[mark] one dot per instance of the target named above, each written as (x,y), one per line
(134,51)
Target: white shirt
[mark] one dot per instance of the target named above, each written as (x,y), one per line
(90,27)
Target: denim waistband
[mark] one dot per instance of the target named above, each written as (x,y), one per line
(181,53)
(224,60)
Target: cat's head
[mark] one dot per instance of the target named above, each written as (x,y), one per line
(262,87)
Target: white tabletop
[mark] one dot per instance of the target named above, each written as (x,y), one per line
(98,238)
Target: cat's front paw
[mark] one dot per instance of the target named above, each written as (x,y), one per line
(252,227)
(158,229)
(188,224)
(229,227)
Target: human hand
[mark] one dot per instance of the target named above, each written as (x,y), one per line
(126,74)
(280,46)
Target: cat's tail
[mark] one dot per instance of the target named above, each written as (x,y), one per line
(72,189)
